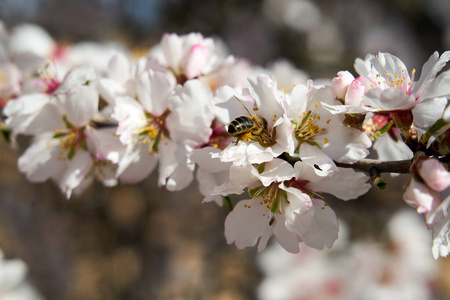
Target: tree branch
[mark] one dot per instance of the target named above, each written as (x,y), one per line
(365,165)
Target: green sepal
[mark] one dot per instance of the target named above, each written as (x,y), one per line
(432,131)
(261,168)
(71,153)
(6,133)
(59,135)
(66,121)
(380,183)
(382,131)
(228,202)
(156,144)
(275,203)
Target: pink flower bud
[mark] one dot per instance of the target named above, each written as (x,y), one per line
(421,197)
(435,174)
(355,92)
(341,83)
(195,61)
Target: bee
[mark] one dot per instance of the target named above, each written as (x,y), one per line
(250,127)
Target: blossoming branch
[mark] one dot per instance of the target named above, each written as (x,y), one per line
(191,111)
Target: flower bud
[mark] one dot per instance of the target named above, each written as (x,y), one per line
(434,174)
(341,83)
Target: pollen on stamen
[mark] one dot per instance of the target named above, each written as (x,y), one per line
(328,121)
(317,117)
(325,140)
(299,117)
(285,92)
(316,104)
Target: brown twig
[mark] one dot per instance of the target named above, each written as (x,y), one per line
(399,166)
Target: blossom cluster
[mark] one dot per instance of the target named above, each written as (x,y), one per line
(192,111)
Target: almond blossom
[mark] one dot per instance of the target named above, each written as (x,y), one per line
(61,125)
(316,129)
(262,98)
(285,202)
(429,178)
(155,128)
(190,56)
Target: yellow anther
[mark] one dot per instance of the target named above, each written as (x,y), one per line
(316,104)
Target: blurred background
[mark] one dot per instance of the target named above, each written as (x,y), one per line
(142,242)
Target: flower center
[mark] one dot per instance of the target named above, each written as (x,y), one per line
(153,132)
(270,197)
(47,82)
(70,139)
(400,81)
(308,127)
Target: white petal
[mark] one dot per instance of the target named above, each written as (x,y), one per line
(429,71)
(137,163)
(389,99)
(246,223)
(33,114)
(286,238)
(80,104)
(208,159)
(346,145)
(324,227)
(345,184)
(388,149)
(426,113)
(441,238)
(313,155)
(172,46)
(40,161)
(299,212)
(110,89)
(193,100)
(264,91)
(104,144)
(276,170)
(76,171)
(77,77)
(153,89)
(119,68)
